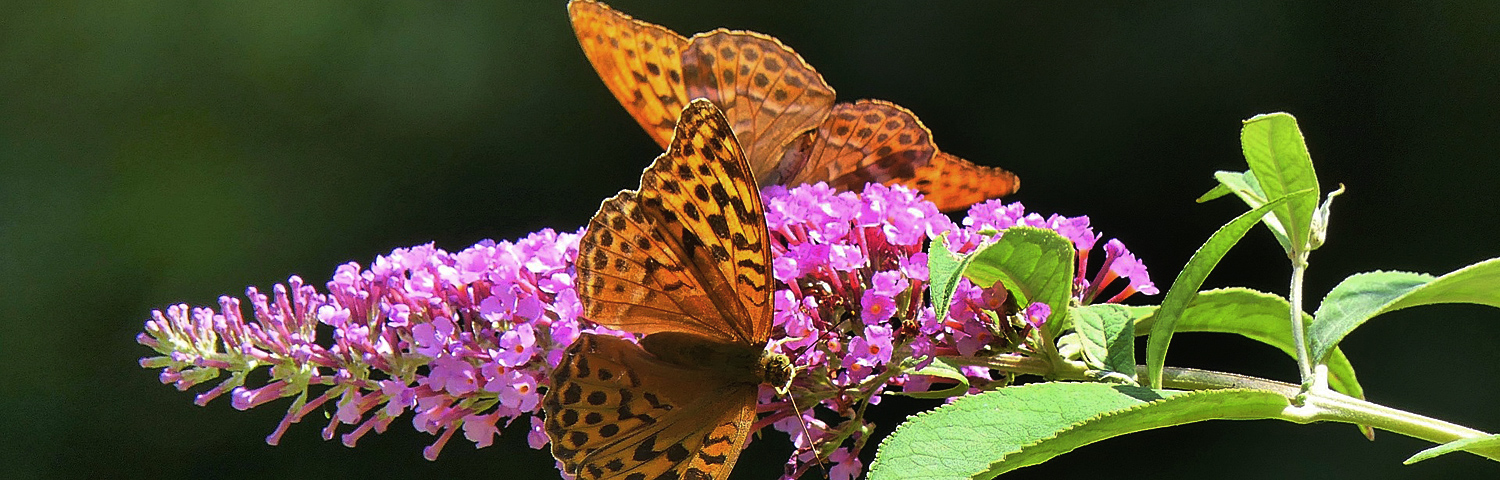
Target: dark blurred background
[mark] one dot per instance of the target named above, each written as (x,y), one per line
(175,151)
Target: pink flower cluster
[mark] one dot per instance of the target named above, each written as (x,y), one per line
(463,340)
(852,312)
(993,215)
(466,340)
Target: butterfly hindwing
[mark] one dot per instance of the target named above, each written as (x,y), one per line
(688,252)
(881,142)
(621,413)
(769,93)
(953,183)
(866,141)
(640,62)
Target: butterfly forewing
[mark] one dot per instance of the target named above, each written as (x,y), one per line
(640,63)
(620,413)
(709,189)
(689,251)
(768,93)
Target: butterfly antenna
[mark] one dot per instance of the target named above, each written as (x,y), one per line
(797,410)
(806,433)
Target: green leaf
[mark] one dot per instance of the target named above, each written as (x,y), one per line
(1258,316)
(981,436)
(1242,184)
(944,268)
(1276,152)
(1036,265)
(1108,334)
(1245,186)
(1219,190)
(1185,287)
(942,369)
(1363,296)
(1491,443)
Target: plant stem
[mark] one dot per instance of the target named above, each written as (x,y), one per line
(1299,330)
(1316,405)
(1195,379)
(1323,405)
(1328,405)
(1009,363)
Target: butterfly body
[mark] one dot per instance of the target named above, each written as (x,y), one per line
(781,109)
(735,362)
(684,261)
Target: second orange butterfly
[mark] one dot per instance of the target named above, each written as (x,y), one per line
(781,110)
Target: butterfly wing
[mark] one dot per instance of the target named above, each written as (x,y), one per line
(881,142)
(614,411)
(778,106)
(862,142)
(954,183)
(769,94)
(688,252)
(640,63)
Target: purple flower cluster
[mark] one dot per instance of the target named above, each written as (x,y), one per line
(852,315)
(460,339)
(465,340)
(993,215)
(853,273)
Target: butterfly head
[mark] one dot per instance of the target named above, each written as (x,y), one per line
(776,369)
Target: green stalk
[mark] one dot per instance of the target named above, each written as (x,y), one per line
(1299,330)
(1324,405)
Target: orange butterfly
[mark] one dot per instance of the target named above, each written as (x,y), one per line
(686,261)
(781,110)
